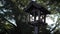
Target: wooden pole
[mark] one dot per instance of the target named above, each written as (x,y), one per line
(39,14)
(29,17)
(44,18)
(36,27)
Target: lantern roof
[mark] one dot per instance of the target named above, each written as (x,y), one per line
(33,6)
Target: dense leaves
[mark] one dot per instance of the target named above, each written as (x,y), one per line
(12,11)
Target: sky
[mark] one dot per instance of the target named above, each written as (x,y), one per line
(33,0)
(50,21)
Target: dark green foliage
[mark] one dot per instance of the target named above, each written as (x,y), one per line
(14,10)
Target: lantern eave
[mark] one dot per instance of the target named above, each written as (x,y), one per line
(33,5)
